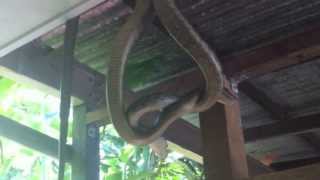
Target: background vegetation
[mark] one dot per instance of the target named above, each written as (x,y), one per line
(119,161)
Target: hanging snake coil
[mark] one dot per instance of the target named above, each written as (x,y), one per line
(126,122)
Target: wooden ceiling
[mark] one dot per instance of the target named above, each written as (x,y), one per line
(269,48)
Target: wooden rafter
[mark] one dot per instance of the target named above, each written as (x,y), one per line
(283,128)
(303,127)
(277,111)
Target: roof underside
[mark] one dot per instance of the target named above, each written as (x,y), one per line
(229,27)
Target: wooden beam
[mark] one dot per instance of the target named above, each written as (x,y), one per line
(41,67)
(274,107)
(176,133)
(283,128)
(223,143)
(303,127)
(31,138)
(305,173)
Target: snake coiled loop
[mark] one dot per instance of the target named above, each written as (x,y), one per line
(171,108)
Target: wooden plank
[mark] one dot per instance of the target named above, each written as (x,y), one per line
(305,173)
(85,143)
(223,143)
(31,138)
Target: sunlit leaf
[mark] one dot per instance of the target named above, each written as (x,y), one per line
(126,153)
(114,176)
(142,175)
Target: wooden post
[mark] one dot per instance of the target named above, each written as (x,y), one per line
(93,153)
(223,143)
(85,159)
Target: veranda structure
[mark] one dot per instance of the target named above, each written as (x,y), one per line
(269,51)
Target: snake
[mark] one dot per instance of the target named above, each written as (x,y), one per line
(126,121)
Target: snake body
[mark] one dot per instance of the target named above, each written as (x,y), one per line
(171,108)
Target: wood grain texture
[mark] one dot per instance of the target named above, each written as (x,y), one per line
(304,173)
(223,143)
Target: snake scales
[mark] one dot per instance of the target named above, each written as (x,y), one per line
(126,121)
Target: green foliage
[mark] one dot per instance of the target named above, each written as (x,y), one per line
(29,107)
(36,110)
(123,161)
